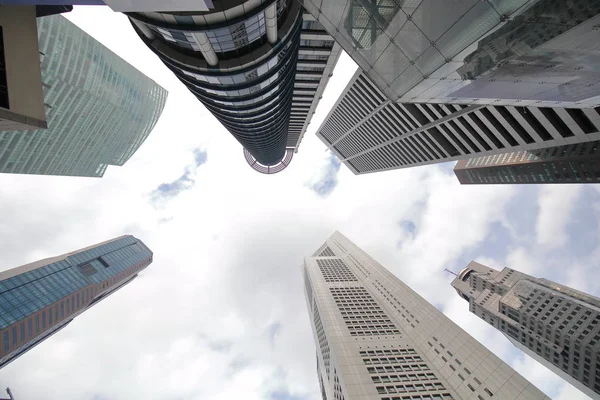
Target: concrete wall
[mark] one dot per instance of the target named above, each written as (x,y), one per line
(21,53)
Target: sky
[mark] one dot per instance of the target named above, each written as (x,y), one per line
(220,314)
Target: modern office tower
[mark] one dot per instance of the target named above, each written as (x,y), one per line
(554,324)
(99,108)
(377,339)
(370,133)
(501,52)
(39,299)
(259,67)
(21,96)
(573,163)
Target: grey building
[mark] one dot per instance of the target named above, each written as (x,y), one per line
(377,339)
(370,133)
(501,52)
(259,67)
(99,109)
(556,325)
(572,163)
(21,96)
(39,299)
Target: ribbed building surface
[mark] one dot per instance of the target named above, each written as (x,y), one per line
(99,108)
(258,66)
(554,324)
(572,163)
(377,339)
(370,133)
(39,299)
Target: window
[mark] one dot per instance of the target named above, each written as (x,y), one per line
(37,323)
(14,336)
(6,343)
(30,327)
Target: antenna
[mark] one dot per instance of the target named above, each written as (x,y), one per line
(447,270)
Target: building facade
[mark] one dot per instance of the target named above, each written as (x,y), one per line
(554,324)
(21,96)
(501,52)
(370,133)
(258,66)
(99,108)
(573,163)
(377,339)
(39,299)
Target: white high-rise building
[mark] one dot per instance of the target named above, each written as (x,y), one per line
(377,339)
(554,324)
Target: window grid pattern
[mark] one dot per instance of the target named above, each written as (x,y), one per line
(323,344)
(41,301)
(361,313)
(402,361)
(555,324)
(335,270)
(85,133)
(374,134)
(573,163)
(327,252)
(29,292)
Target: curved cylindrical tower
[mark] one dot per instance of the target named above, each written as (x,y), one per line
(239,59)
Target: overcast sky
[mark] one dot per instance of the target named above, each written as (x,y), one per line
(220,314)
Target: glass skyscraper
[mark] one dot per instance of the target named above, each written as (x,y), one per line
(259,67)
(40,298)
(501,52)
(99,108)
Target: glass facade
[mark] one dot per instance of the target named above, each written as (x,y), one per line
(576,163)
(99,108)
(239,69)
(471,51)
(49,293)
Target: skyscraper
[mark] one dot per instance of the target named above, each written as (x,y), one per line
(501,52)
(370,133)
(99,108)
(377,339)
(556,325)
(40,298)
(259,67)
(573,163)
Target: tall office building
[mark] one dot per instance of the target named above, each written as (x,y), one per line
(377,339)
(370,133)
(99,108)
(258,66)
(501,52)
(39,299)
(573,163)
(554,324)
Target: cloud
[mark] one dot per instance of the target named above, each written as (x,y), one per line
(220,314)
(556,203)
(169,190)
(200,157)
(327,179)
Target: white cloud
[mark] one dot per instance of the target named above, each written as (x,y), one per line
(556,203)
(198,323)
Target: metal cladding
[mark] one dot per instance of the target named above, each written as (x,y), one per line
(240,61)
